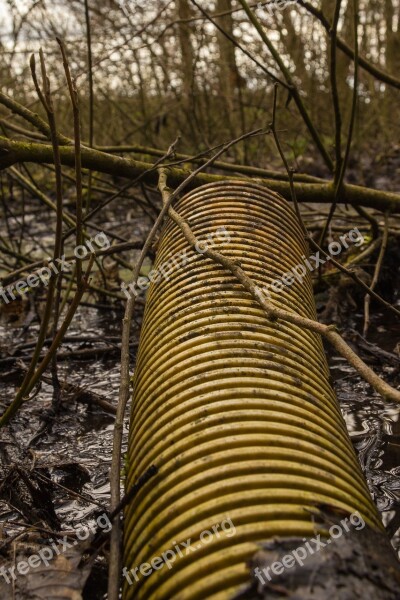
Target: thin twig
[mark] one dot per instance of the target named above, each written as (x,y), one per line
(377,270)
(354,99)
(91,95)
(284,160)
(338,182)
(371,220)
(78,155)
(115,493)
(239,46)
(354,277)
(335,94)
(33,189)
(45,98)
(290,84)
(130,494)
(31,117)
(131,183)
(308,236)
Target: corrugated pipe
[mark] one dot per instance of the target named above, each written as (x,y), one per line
(236,411)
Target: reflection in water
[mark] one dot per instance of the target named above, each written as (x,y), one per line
(374,428)
(83,436)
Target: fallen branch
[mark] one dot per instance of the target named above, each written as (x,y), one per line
(218,164)
(13,152)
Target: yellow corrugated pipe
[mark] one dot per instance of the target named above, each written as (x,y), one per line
(235,411)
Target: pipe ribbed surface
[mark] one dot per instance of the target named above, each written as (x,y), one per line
(235,411)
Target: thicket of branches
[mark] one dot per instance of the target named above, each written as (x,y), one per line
(112,78)
(165,67)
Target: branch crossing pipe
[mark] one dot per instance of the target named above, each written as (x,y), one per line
(237,412)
